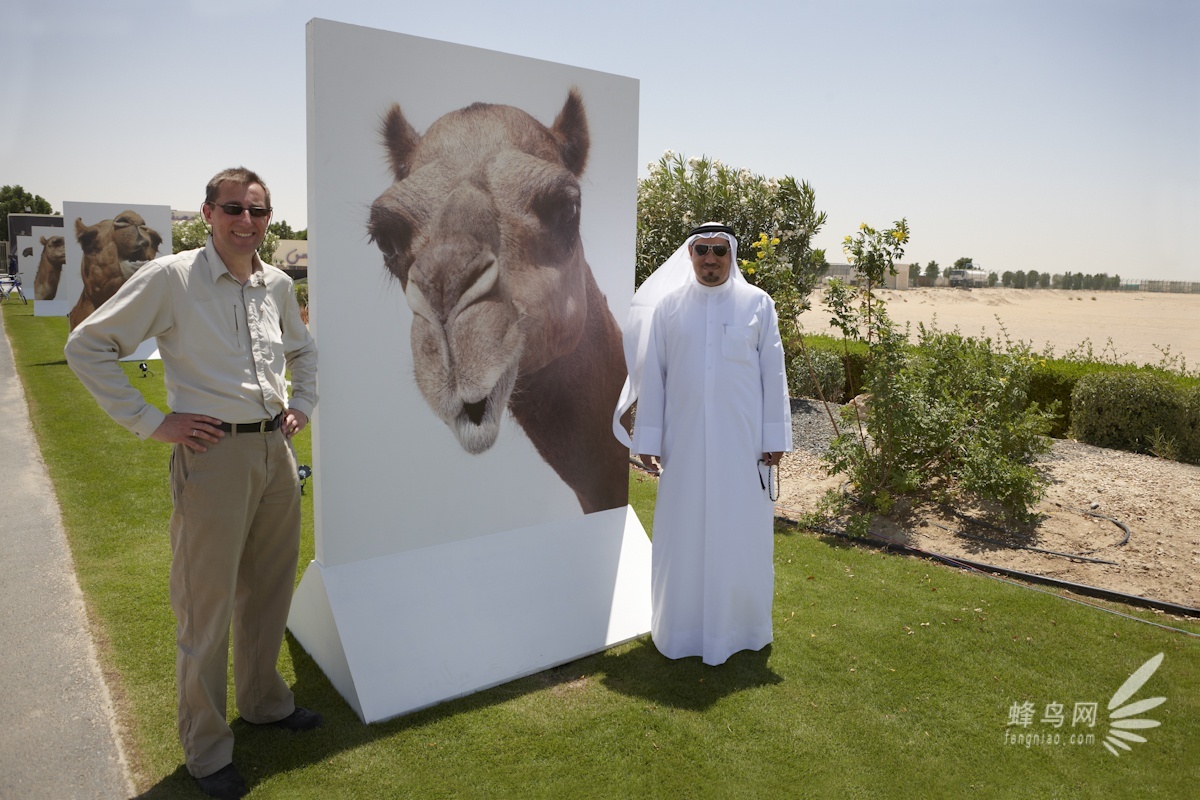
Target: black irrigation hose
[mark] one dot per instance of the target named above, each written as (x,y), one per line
(984,523)
(1078,588)
(987,569)
(1029,547)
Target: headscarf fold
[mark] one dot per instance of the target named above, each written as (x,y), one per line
(673,274)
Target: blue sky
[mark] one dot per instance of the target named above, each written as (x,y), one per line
(1026,134)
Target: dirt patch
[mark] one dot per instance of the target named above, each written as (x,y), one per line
(1158,500)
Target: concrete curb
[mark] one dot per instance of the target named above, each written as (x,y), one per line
(59,738)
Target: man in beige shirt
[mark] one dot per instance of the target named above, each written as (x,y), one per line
(227,326)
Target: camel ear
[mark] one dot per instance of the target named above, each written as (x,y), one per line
(155,239)
(571,132)
(399,139)
(86,236)
(42,239)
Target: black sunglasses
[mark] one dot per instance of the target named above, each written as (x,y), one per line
(236,209)
(719,250)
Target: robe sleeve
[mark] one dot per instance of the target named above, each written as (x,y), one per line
(777,408)
(651,403)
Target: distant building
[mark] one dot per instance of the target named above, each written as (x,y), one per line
(848,274)
(291,256)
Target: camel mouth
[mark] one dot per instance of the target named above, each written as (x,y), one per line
(477,423)
(474,411)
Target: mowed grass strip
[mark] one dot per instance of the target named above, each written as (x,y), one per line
(889,676)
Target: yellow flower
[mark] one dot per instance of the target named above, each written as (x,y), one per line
(775,241)
(750,270)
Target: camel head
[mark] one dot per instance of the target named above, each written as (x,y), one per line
(481,228)
(54,250)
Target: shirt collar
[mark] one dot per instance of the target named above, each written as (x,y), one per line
(217,267)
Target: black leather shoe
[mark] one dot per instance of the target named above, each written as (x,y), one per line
(226,783)
(299,720)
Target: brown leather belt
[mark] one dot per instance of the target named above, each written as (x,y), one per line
(265,426)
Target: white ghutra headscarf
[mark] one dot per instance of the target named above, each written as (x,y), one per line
(674,273)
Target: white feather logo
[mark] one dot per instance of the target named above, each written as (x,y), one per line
(1118,718)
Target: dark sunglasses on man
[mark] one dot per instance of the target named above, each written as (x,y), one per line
(236,209)
(719,250)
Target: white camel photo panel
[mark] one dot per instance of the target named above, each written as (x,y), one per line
(41,258)
(472,518)
(105,244)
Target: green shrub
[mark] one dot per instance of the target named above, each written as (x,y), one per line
(826,366)
(1190,444)
(950,417)
(1053,380)
(1131,410)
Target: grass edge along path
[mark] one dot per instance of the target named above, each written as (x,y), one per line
(889,676)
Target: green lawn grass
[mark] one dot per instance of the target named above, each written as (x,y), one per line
(889,676)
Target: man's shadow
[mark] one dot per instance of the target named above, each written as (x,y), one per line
(636,669)
(685,683)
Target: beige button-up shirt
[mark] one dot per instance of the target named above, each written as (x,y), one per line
(224,345)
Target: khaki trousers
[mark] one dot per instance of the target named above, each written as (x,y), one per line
(235,540)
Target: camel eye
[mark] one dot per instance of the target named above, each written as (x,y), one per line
(392,234)
(558,210)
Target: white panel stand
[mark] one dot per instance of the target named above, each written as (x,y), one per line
(401,632)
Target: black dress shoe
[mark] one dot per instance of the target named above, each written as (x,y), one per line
(299,720)
(226,783)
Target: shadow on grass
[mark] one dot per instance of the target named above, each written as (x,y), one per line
(635,669)
(686,683)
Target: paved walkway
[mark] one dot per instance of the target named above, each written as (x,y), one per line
(57,734)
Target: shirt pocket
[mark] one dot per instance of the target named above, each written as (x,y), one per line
(739,343)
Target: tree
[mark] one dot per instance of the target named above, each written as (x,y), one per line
(964,263)
(680,194)
(284,231)
(1007,278)
(993,279)
(1032,278)
(193,233)
(874,254)
(932,270)
(1019,279)
(914,272)
(15,200)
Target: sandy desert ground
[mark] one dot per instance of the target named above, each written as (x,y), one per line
(1140,324)
(1158,500)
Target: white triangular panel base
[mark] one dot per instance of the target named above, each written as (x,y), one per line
(401,632)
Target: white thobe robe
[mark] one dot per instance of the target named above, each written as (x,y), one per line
(713,399)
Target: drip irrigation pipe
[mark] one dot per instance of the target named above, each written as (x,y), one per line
(1078,588)
(984,523)
(1029,577)
(1029,547)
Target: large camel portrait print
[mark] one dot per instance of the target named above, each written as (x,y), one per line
(113,249)
(481,228)
(49,268)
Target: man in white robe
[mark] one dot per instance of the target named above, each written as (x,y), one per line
(713,407)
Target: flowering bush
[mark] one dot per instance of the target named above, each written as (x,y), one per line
(680,194)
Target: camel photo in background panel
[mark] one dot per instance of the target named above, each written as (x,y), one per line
(113,249)
(481,228)
(49,268)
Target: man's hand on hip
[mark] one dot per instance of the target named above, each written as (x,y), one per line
(293,422)
(189,430)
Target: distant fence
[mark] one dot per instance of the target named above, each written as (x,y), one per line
(1175,287)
